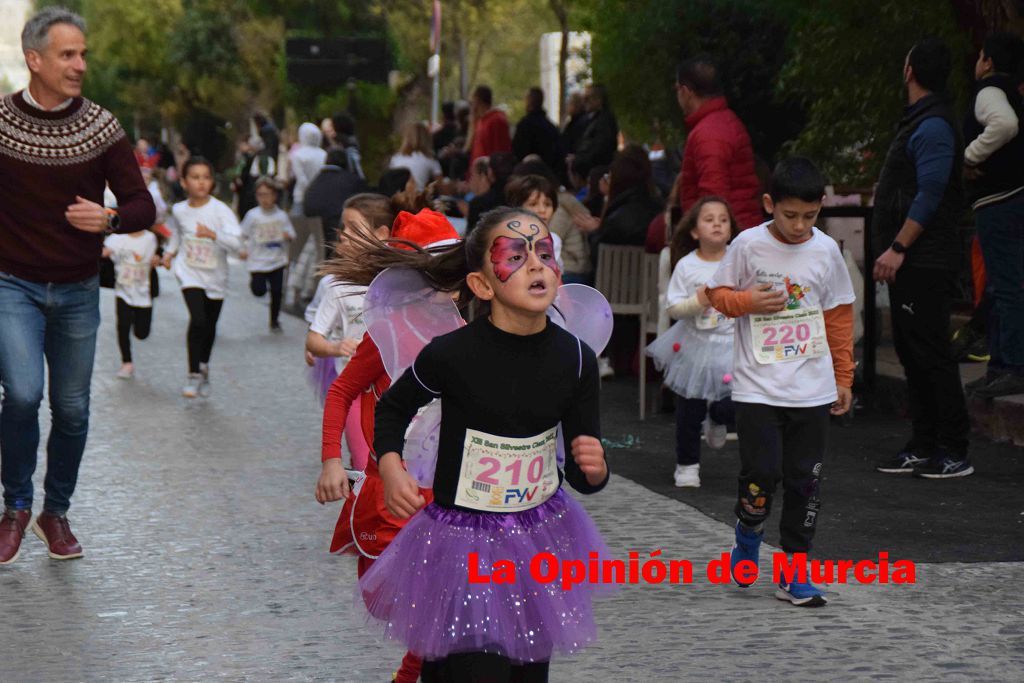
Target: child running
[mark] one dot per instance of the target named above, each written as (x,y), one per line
(134,257)
(364,525)
(337,326)
(505,381)
(695,354)
(793,364)
(203,231)
(266,230)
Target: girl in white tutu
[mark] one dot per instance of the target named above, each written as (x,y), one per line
(695,354)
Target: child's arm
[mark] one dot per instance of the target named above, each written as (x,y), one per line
(839,330)
(321,347)
(289,229)
(586,468)
(688,307)
(174,241)
(360,373)
(417,387)
(735,303)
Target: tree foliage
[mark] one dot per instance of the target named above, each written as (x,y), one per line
(845,66)
(637,46)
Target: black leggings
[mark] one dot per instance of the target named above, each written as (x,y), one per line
(482,667)
(129,319)
(202,325)
(275,279)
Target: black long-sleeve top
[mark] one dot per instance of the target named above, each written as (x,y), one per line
(498,383)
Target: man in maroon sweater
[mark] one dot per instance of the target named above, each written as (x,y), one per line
(57,152)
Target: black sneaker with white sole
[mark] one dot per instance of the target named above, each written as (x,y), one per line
(903,463)
(944,466)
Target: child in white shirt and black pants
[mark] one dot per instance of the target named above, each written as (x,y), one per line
(787,283)
(266,230)
(203,231)
(134,256)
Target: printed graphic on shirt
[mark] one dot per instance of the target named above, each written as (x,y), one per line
(507,474)
(200,253)
(268,233)
(132,271)
(795,293)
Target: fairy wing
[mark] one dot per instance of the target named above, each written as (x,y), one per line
(585,312)
(402,313)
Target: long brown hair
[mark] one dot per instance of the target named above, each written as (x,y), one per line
(445,267)
(683,242)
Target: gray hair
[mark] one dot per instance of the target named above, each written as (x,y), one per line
(36,34)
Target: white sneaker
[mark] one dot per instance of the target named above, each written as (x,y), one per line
(126,372)
(687,475)
(192,382)
(604,367)
(715,434)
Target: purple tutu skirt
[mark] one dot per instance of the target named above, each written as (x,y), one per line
(419,587)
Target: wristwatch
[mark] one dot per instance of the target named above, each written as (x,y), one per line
(898,247)
(113,222)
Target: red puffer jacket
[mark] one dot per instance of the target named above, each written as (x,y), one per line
(719,160)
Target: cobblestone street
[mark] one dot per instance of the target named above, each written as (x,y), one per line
(206,555)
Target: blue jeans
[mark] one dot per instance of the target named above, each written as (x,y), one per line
(58,323)
(1001,234)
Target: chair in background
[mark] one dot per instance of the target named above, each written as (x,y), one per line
(628,278)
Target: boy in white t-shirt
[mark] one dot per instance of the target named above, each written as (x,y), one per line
(267,230)
(793,364)
(134,256)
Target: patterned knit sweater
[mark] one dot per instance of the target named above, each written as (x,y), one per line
(46,159)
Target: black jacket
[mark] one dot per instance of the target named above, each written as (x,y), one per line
(327,194)
(625,220)
(535,134)
(939,244)
(598,144)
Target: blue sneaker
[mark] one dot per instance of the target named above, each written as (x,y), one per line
(801,594)
(748,543)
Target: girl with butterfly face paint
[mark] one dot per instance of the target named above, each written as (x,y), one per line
(506,381)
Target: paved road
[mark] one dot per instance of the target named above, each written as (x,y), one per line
(206,557)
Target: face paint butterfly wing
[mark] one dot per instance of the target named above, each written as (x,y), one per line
(585,312)
(402,313)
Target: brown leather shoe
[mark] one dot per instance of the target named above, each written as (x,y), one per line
(12,530)
(55,532)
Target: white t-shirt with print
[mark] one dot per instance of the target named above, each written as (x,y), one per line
(815,276)
(690,275)
(203,263)
(264,234)
(133,258)
(340,313)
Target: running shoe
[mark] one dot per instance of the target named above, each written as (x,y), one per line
(715,434)
(944,466)
(978,352)
(748,546)
(192,382)
(1006,384)
(126,372)
(903,463)
(687,475)
(801,594)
